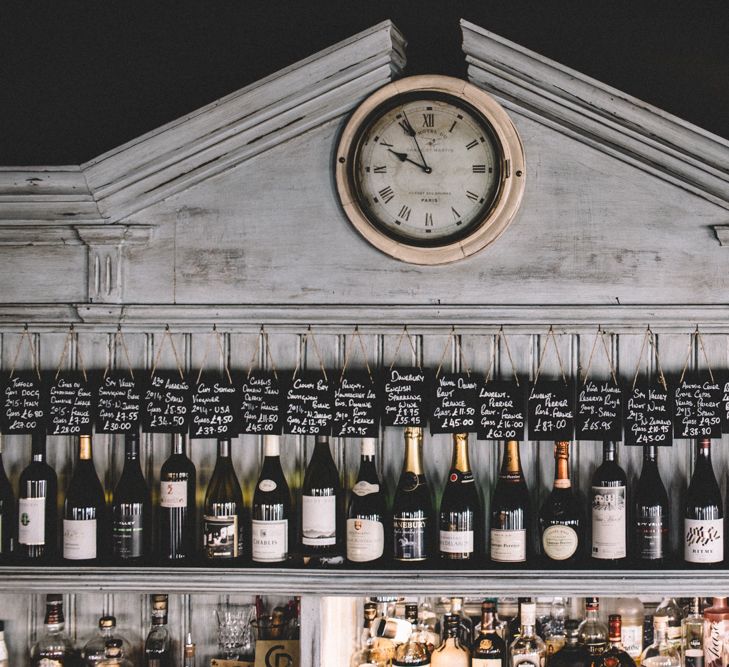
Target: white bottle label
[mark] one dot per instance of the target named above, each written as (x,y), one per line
(559,542)
(319,520)
(632,638)
(508,546)
(703,540)
(365,540)
(456,541)
(79,539)
(486,662)
(365,488)
(267,485)
(527,660)
(608,522)
(32,520)
(173,494)
(714,637)
(270,541)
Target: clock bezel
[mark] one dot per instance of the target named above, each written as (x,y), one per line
(495,218)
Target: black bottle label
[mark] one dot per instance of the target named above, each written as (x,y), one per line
(410,538)
(127,534)
(220,536)
(694,657)
(649,534)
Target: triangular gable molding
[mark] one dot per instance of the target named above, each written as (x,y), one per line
(598,115)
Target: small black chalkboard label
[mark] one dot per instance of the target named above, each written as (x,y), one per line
(356,406)
(551,411)
(261,400)
(454,405)
(23,407)
(599,411)
(166,402)
(724,384)
(118,403)
(70,405)
(697,409)
(502,411)
(308,404)
(405,395)
(215,409)
(647,415)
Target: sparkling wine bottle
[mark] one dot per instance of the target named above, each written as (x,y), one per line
(651,513)
(8,521)
(608,499)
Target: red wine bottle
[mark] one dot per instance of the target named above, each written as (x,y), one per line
(650,529)
(608,499)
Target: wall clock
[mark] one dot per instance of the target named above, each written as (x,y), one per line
(430,169)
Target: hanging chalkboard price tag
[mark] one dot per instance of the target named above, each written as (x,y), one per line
(647,415)
(502,411)
(599,412)
(118,403)
(455,403)
(23,407)
(166,402)
(70,404)
(261,399)
(724,384)
(551,412)
(356,406)
(697,409)
(308,404)
(405,395)
(215,408)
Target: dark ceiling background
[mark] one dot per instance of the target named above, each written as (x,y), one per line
(79,78)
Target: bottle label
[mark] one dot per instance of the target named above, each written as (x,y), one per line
(508,546)
(220,536)
(173,494)
(270,541)
(47,662)
(319,520)
(527,660)
(632,638)
(456,541)
(365,488)
(714,633)
(703,540)
(127,535)
(608,522)
(486,662)
(693,657)
(365,540)
(409,537)
(79,539)
(267,485)
(560,542)
(32,521)
(650,534)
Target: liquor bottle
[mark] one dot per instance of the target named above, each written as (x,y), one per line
(528,648)
(608,499)
(85,520)
(561,523)
(716,628)
(114,655)
(614,655)
(513,626)
(631,613)
(553,629)
(366,511)
(189,652)
(692,632)
(94,651)
(662,652)
(489,649)
(367,655)
(465,624)
(412,509)
(460,518)
(651,513)
(592,631)
(131,509)
(4,660)
(54,647)
(37,508)
(223,515)
(674,615)
(510,510)
(271,508)
(177,512)
(572,654)
(8,521)
(703,525)
(157,647)
(451,653)
(412,652)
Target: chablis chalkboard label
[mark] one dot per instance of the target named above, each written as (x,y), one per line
(502,410)
(309,404)
(406,392)
(647,415)
(23,407)
(215,407)
(454,404)
(551,410)
(261,399)
(697,409)
(599,411)
(70,405)
(166,402)
(356,406)
(118,403)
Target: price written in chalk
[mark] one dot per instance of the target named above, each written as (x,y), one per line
(356,406)
(261,398)
(215,408)
(406,392)
(22,407)
(118,403)
(551,411)
(308,405)
(454,404)
(647,415)
(502,411)
(697,409)
(599,411)
(166,403)
(70,405)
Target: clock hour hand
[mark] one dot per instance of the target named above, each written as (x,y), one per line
(409,130)
(403,157)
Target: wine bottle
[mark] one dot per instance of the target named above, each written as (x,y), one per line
(489,649)
(651,513)
(271,508)
(703,525)
(510,510)
(85,520)
(37,509)
(366,511)
(322,539)
(8,521)
(413,526)
(608,499)
(461,515)
(223,515)
(177,513)
(158,645)
(561,523)
(131,509)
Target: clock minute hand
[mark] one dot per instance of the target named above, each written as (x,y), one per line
(409,130)
(403,157)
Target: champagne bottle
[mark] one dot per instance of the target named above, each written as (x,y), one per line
(131,509)
(366,511)
(271,508)
(413,526)
(223,514)
(177,512)
(510,511)
(85,520)
(321,509)
(608,499)
(651,513)
(37,509)
(461,514)
(8,521)
(703,525)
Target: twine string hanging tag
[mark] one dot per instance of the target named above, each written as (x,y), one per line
(25,336)
(550,334)
(600,335)
(453,337)
(66,346)
(168,336)
(119,338)
(649,340)
(405,333)
(356,335)
(310,334)
(696,337)
(501,336)
(262,340)
(214,334)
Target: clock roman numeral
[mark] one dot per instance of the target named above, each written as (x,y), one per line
(404,213)
(387,194)
(381,170)
(428,219)
(471,195)
(450,129)
(477,169)
(428,120)
(456,214)
(472,144)
(384,143)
